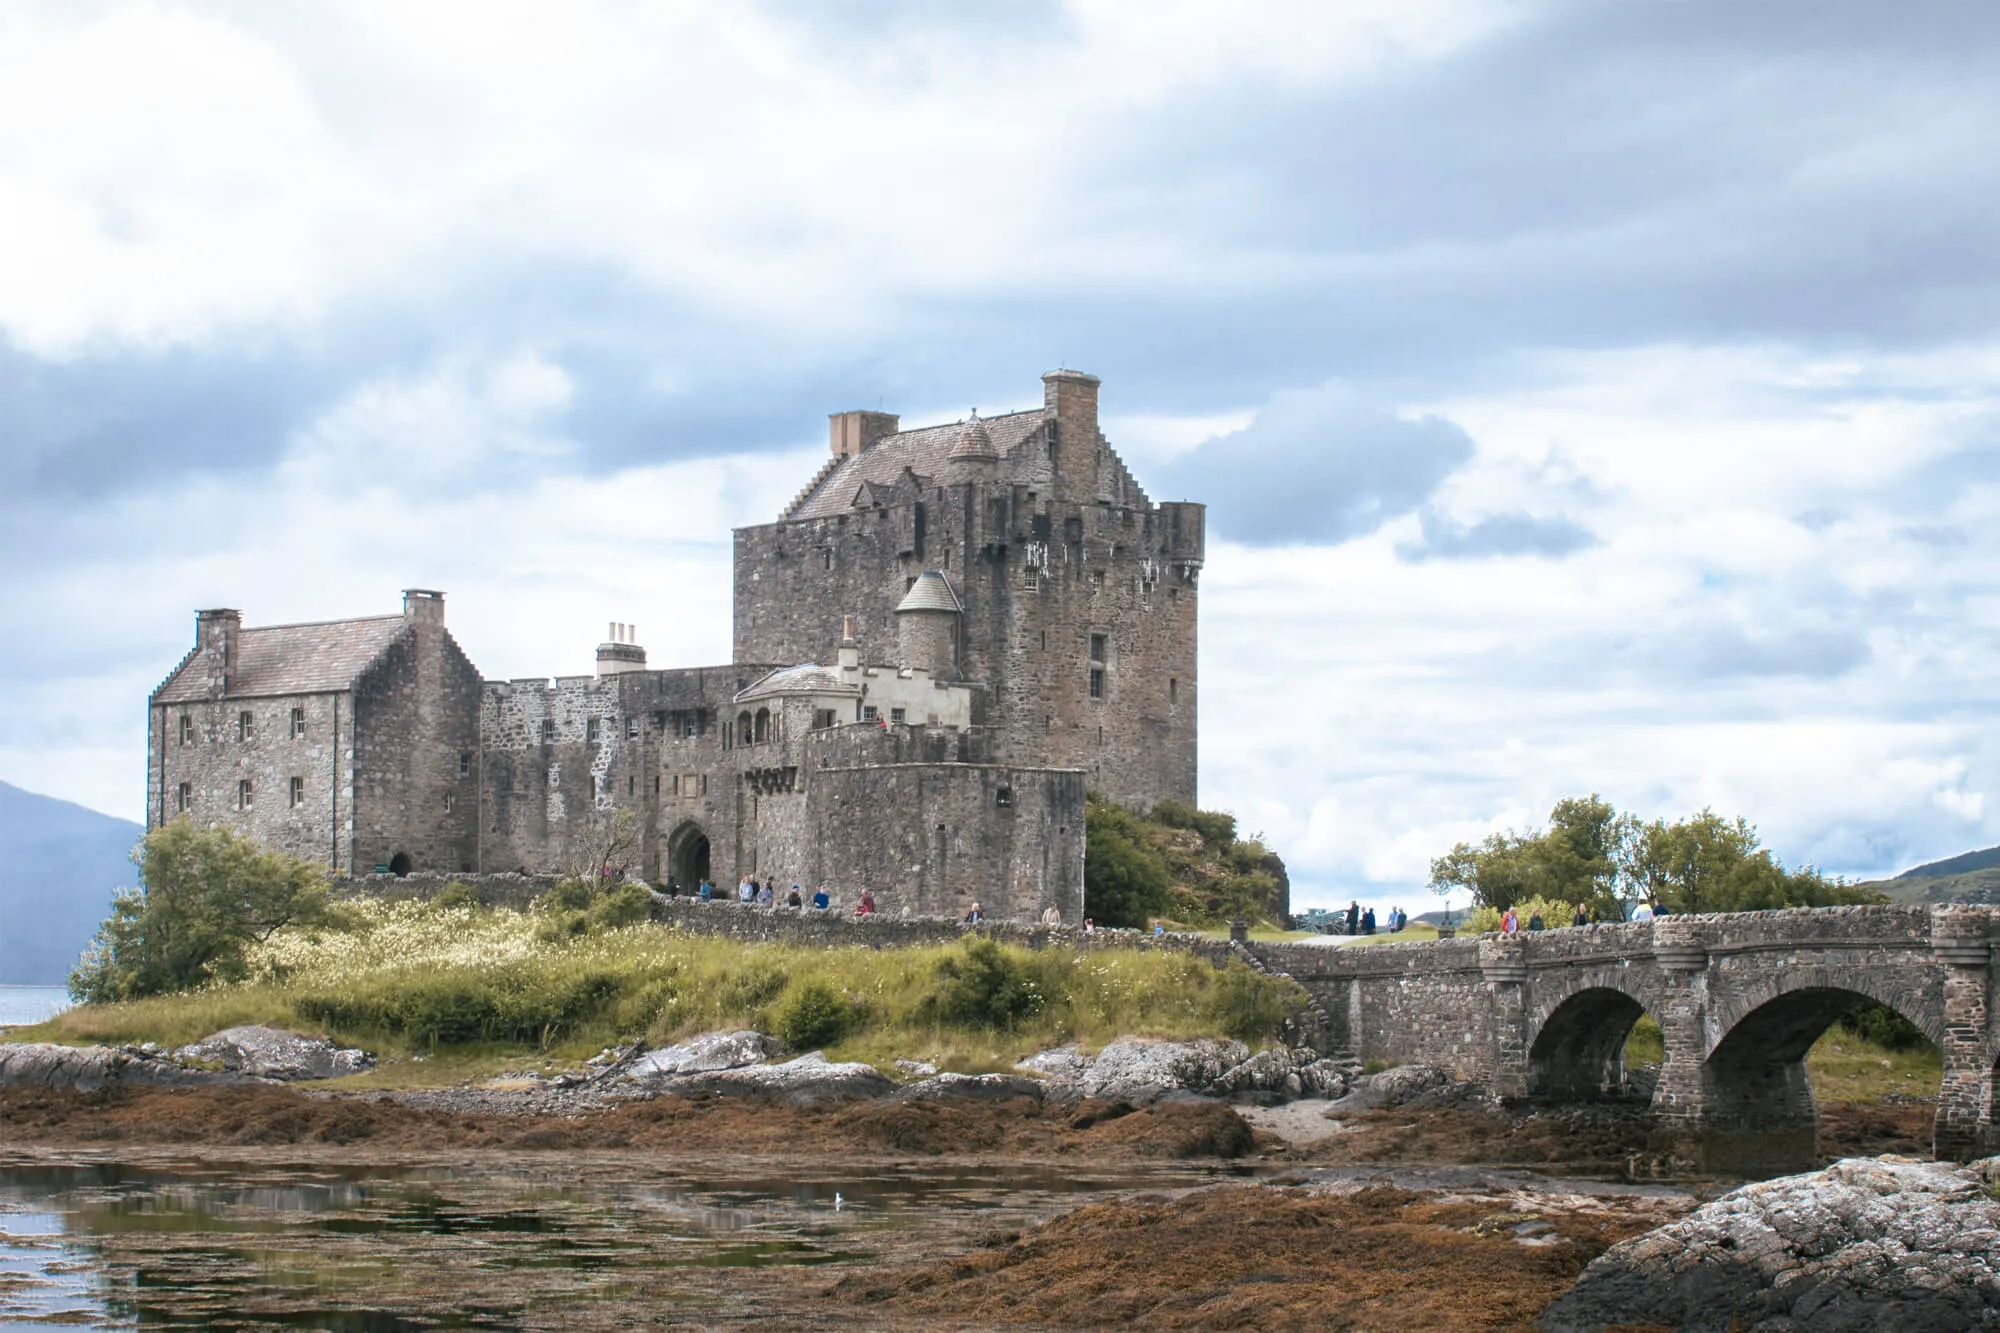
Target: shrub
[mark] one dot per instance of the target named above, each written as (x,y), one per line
(455,895)
(209,895)
(569,895)
(751,989)
(1251,1006)
(814,1015)
(520,1002)
(626,905)
(1124,880)
(985,986)
(1877,1022)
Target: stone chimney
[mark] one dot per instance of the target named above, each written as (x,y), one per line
(217,635)
(423,606)
(1069,400)
(850,651)
(854,431)
(620,652)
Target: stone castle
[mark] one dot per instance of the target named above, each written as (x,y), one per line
(948,636)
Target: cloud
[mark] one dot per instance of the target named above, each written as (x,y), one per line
(1318,466)
(1496,535)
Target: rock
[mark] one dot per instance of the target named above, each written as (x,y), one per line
(1406,1083)
(973,1088)
(270,1053)
(1867,1243)
(916,1068)
(1134,1070)
(806,1081)
(711,1051)
(88,1068)
(1146,1071)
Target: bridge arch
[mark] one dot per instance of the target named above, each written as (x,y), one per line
(1759,1111)
(1577,1032)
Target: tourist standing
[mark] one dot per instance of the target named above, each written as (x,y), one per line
(1510,923)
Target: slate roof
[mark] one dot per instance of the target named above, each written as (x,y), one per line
(291,659)
(931,592)
(805,678)
(924,451)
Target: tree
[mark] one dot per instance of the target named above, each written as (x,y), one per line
(1706,863)
(1579,859)
(598,841)
(207,893)
(1124,880)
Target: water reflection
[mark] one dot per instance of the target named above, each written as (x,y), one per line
(560,1242)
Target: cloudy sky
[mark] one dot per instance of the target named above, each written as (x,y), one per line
(1589,396)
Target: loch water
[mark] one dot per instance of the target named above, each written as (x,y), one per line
(553,1242)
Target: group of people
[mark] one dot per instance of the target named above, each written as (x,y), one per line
(1361,920)
(750,893)
(1584,915)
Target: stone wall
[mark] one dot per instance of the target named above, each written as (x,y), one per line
(417,755)
(217,757)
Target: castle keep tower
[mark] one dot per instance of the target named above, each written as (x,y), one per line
(1076,593)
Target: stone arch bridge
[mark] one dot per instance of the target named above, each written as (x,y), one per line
(1739,998)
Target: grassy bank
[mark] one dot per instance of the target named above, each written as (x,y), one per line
(1846,1068)
(445,992)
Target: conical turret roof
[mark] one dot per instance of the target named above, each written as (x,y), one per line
(974,443)
(931,592)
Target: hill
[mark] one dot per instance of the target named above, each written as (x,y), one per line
(59,865)
(1962,864)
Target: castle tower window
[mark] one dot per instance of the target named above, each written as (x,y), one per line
(245,728)
(631,785)
(1097,682)
(868,713)
(187,729)
(243,794)
(184,798)
(1097,648)
(548,730)
(826,557)
(590,730)
(631,728)
(763,724)
(692,726)
(1097,580)
(896,716)
(449,801)
(298,724)
(1173,690)
(298,792)
(744,733)
(593,786)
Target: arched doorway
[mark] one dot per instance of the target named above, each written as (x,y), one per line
(687,856)
(1580,1049)
(400,864)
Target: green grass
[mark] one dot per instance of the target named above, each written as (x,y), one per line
(450,994)
(1264,934)
(1844,1068)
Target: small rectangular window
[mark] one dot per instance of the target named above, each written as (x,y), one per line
(1097,647)
(298,792)
(896,716)
(243,794)
(631,785)
(187,729)
(298,723)
(1097,580)
(631,728)
(590,730)
(692,727)
(465,763)
(1173,690)
(593,786)
(1097,682)
(548,730)
(656,784)
(450,800)
(244,727)
(868,712)
(184,798)
(826,557)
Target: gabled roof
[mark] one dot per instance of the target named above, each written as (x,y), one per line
(924,451)
(317,658)
(805,678)
(931,592)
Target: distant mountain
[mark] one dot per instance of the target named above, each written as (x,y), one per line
(1962,864)
(59,865)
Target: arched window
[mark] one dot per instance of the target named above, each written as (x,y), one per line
(743,735)
(763,724)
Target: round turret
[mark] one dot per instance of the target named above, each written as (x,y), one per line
(927,625)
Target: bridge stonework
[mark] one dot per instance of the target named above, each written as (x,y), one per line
(1740,999)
